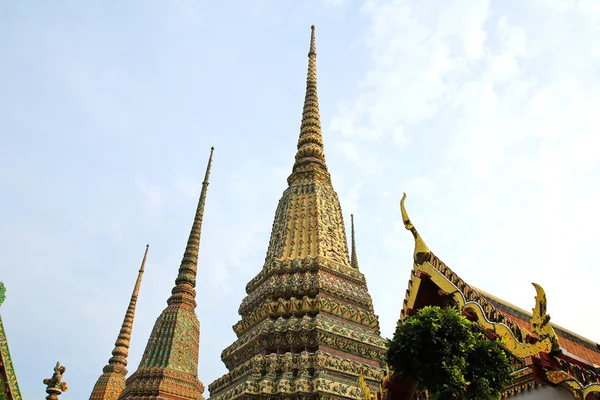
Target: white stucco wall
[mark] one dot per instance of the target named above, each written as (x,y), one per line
(544,393)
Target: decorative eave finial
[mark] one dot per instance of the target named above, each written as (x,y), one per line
(540,321)
(422,252)
(55,385)
(354,257)
(184,292)
(310,156)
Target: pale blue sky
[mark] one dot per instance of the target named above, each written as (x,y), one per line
(485,113)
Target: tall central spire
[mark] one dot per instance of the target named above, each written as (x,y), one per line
(112,381)
(169,366)
(307,324)
(310,156)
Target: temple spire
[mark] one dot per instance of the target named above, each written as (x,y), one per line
(121,350)
(310,155)
(186,278)
(112,381)
(307,270)
(354,258)
(169,366)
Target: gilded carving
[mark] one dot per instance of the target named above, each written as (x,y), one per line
(540,323)
(580,382)
(320,361)
(293,306)
(306,284)
(305,331)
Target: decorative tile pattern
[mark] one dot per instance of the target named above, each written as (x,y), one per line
(283,307)
(305,331)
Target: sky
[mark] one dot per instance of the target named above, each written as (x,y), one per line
(483,112)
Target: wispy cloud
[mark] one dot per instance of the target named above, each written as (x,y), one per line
(483,112)
(154,197)
(498,104)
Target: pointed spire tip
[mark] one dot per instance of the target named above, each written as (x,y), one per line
(312,50)
(353,256)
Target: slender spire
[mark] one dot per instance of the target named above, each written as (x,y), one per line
(121,349)
(310,143)
(186,279)
(354,259)
(169,366)
(112,381)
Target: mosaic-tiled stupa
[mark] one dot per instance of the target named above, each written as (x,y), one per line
(169,366)
(112,381)
(307,326)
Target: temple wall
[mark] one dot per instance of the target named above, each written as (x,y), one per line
(544,393)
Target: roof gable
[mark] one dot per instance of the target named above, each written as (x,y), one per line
(548,354)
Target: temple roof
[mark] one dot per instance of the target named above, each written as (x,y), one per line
(575,344)
(542,352)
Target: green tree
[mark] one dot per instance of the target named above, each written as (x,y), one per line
(445,353)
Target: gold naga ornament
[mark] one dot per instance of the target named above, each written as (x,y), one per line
(467,299)
(381,394)
(384,393)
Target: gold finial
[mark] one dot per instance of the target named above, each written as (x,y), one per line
(422,252)
(540,322)
(354,257)
(118,361)
(310,155)
(186,278)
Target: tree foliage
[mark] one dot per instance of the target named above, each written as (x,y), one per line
(446,354)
